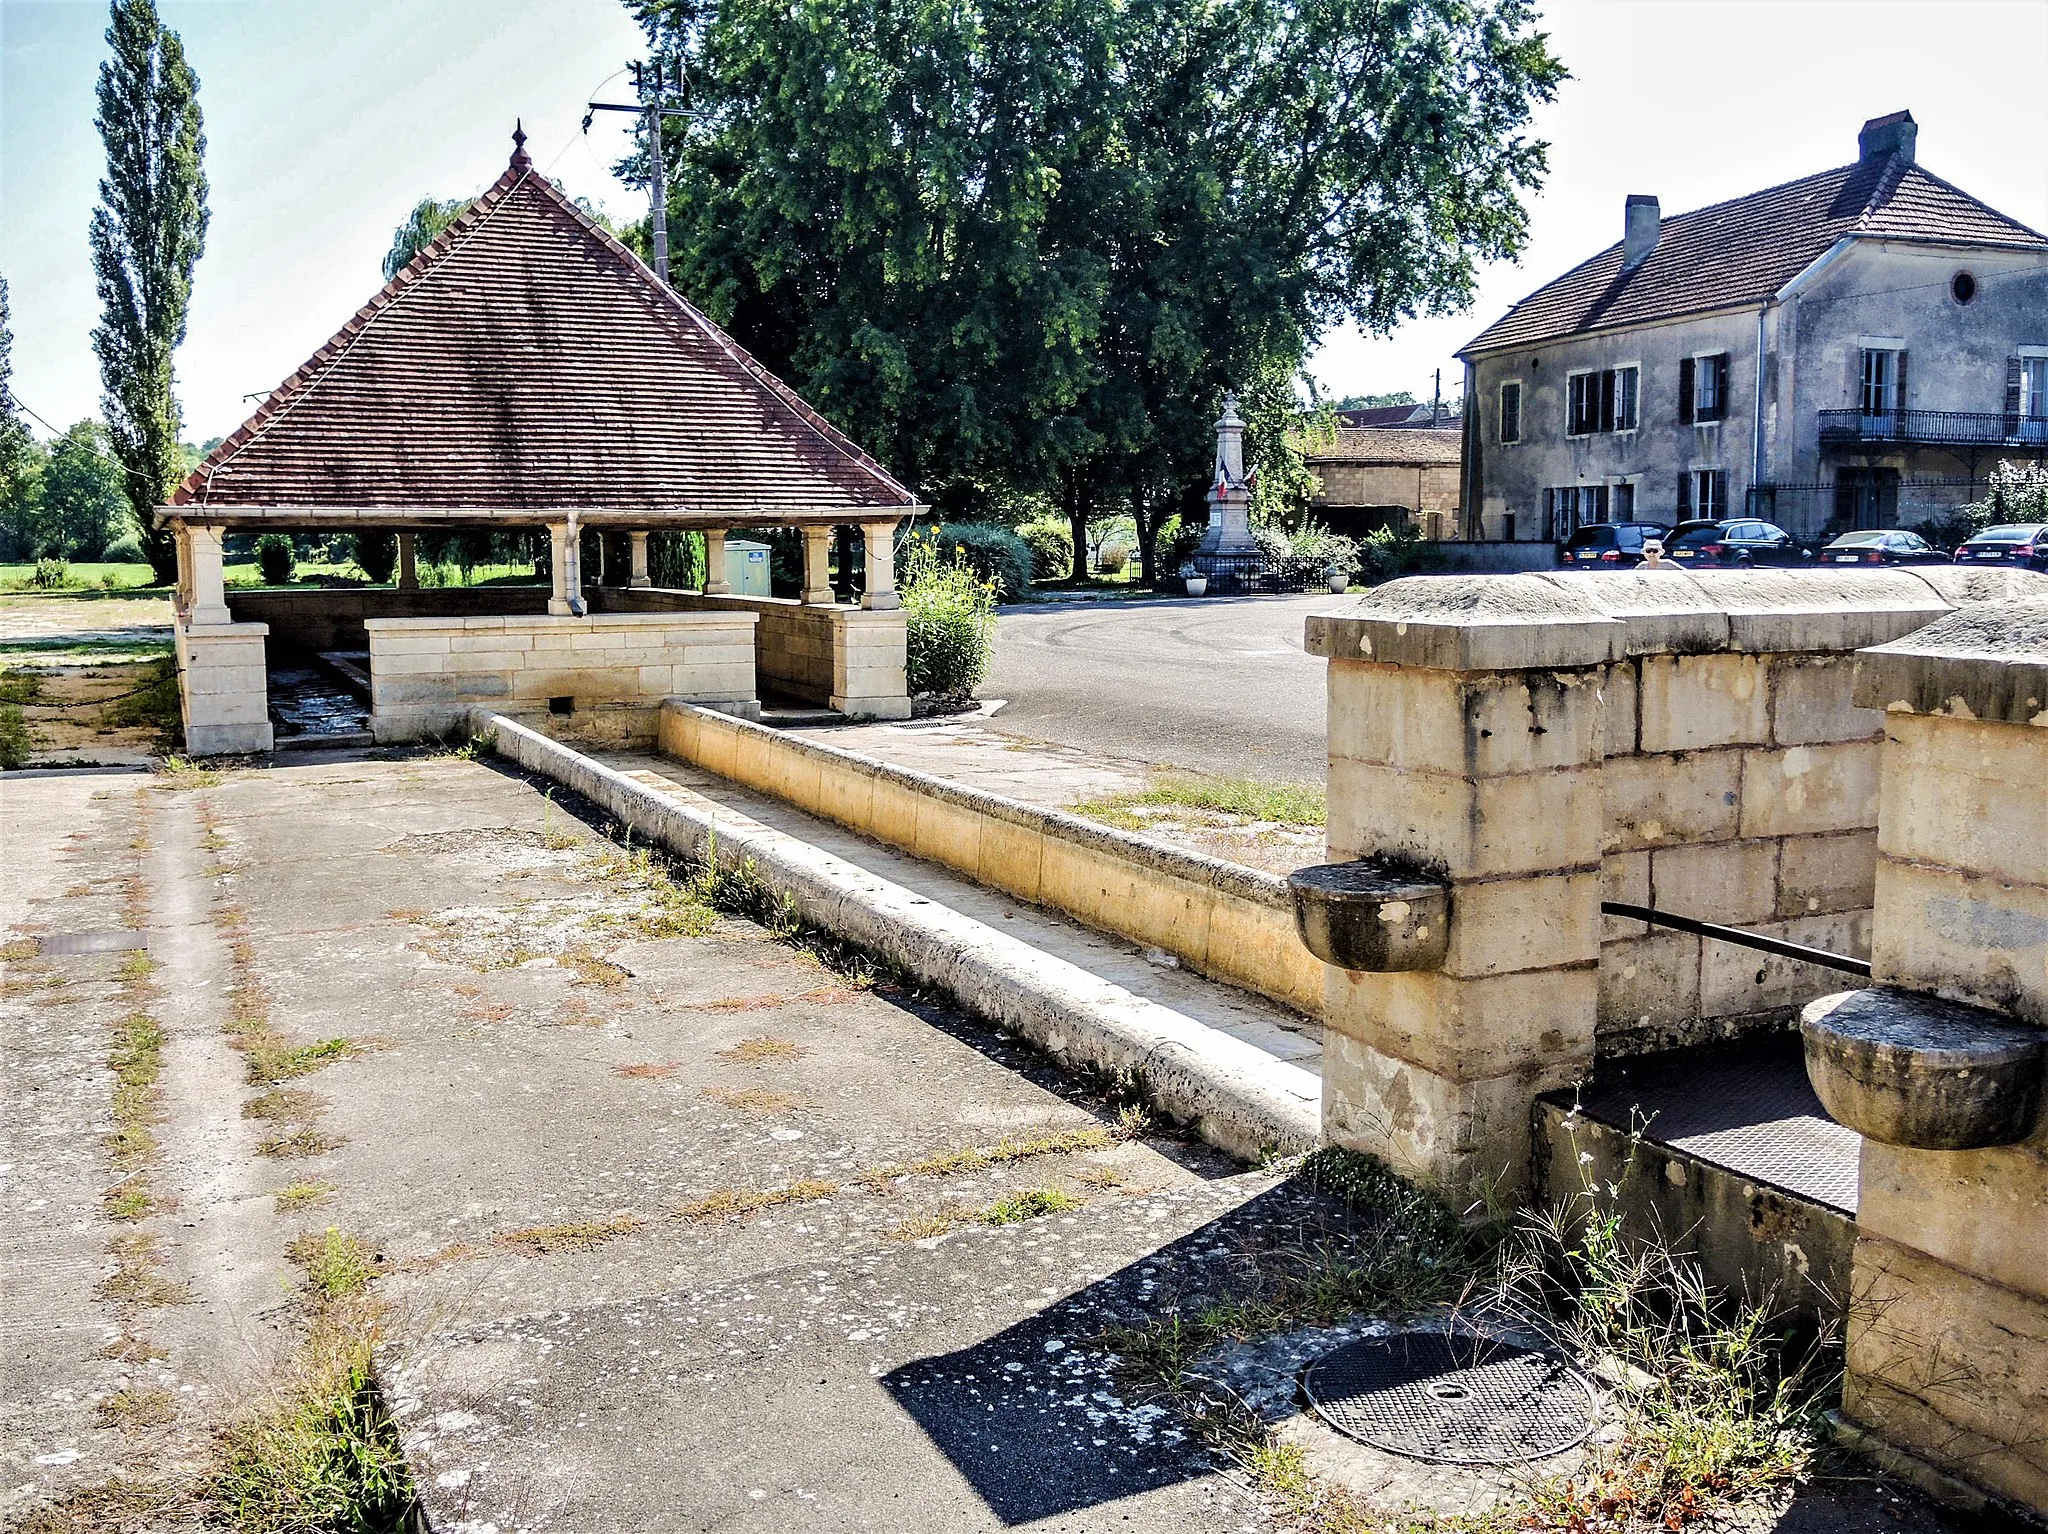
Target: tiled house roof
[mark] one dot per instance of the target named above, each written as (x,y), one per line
(1742,252)
(527,362)
(1423,447)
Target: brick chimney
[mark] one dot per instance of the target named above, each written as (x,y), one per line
(1883,137)
(1641,219)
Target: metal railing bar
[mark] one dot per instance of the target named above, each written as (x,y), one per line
(1736,935)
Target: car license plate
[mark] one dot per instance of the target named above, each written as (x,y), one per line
(1847,559)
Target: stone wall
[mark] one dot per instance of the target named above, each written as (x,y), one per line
(1542,743)
(615,669)
(847,658)
(223,687)
(1232,923)
(332,618)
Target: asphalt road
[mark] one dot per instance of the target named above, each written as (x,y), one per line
(1216,684)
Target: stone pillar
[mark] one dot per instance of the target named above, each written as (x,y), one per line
(181,540)
(817,590)
(639,545)
(209,603)
(561,554)
(1465,747)
(408,564)
(715,570)
(879,541)
(1948,1308)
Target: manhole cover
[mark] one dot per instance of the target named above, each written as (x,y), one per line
(116,941)
(1457,1400)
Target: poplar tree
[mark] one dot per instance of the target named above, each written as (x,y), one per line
(147,235)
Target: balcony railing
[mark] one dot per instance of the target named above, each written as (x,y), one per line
(1935,428)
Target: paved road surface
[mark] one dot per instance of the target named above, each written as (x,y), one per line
(1219,684)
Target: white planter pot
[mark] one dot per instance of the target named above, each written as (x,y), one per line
(1198,585)
(1339,584)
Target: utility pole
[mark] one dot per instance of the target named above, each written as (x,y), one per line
(1436,404)
(651,89)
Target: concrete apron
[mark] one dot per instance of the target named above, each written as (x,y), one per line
(1238,1097)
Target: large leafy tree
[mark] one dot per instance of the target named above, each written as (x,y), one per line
(1031,243)
(79,504)
(147,234)
(427,219)
(20,456)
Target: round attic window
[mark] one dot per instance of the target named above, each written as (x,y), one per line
(1962,287)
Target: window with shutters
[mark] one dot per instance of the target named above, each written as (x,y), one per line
(1511,412)
(1600,402)
(1703,388)
(2026,395)
(1703,495)
(1622,501)
(1882,381)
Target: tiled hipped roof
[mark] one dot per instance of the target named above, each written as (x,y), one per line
(526,362)
(1420,448)
(1744,251)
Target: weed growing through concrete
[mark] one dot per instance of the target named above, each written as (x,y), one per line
(150,1407)
(1031,1204)
(336,1264)
(755,1051)
(728,1203)
(301,1141)
(118,1507)
(590,969)
(817,996)
(183,773)
(1289,804)
(579,1236)
(646,1070)
(301,1195)
(138,1281)
(285,1105)
(754,1099)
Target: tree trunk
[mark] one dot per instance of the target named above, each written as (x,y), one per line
(1077,524)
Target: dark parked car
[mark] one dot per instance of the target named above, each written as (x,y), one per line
(1608,545)
(1740,542)
(2018,543)
(1882,546)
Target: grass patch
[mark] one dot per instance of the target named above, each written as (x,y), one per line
(646,1070)
(754,1099)
(137,1282)
(580,1236)
(137,966)
(939,1222)
(301,1195)
(729,1203)
(818,996)
(758,1050)
(979,1158)
(1290,804)
(20,687)
(336,1264)
(301,1141)
(137,1408)
(285,1105)
(183,773)
(321,1453)
(269,1057)
(118,1507)
(592,970)
(153,702)
(1031,1204)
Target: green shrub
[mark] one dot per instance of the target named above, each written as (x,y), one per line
(995,554)
(950,613)
(1388,552)
(51,575)
(125,550)
(14,742)
(1112,559)
(1309,555)
(1052,548)
(376,555)
(275,558)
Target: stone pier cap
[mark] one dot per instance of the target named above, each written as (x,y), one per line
(1568,620)
(1988,662)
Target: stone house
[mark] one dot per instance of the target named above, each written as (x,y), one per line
(1371,477)
(527,371)
(1855,348)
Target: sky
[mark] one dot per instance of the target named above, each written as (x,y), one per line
(327,121)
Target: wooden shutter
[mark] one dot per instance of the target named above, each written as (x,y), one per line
(2012,396)
(1684,394)
(1685,481)
(1607,400)
(1721,371)
(1899,381)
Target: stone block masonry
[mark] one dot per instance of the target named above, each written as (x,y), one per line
(1691,742)
(223,688)
(427,673)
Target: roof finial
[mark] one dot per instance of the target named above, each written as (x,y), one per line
(519,155)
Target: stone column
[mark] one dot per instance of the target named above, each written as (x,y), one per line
(561,552)
(1230,500)
(1948,1306)
(408,564)
(1465,747)
(715,571)
(817,591)
(209,585)
(639,545)
(879,541)
(181,540)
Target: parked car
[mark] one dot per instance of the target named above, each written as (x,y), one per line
(1882,546)
(2018,543)
(1737,542)
(1608,545)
